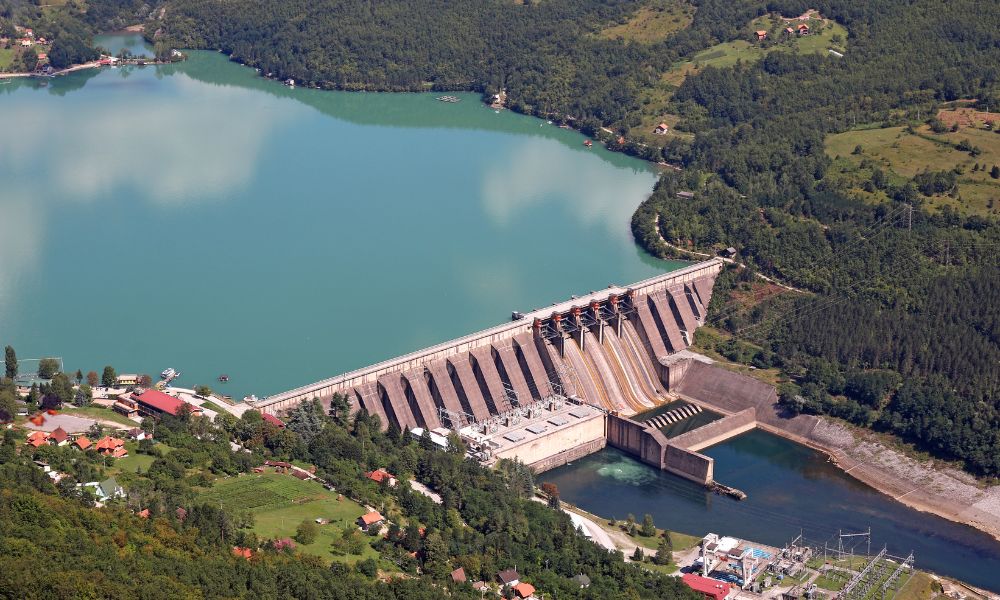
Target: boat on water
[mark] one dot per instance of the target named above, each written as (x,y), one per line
(448,98)
(168,374)
(250,398)
(224,378)
(588,143)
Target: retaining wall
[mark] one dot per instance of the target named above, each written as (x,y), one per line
(569,455)
(717,431)
(689,464)
(645,443)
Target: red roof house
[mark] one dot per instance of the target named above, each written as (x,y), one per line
(761,35)
(372,518)
(38,438)
(242,552)
(155,402)
(110,446)
(144,513)
(83,442)
(382,475)
(59,436)
(458,575)
(712,589)
(524,590)
(273,420)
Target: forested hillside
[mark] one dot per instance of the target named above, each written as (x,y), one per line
(547,55)
(170,535)
(901,330)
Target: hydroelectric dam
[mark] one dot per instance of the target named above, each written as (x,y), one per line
(559,382)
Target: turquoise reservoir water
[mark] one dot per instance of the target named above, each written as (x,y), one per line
(200,217)
(790,489)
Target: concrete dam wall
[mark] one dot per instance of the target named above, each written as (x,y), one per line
(604,348)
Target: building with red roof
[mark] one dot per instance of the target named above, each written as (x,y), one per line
(59,437)
(111,446)
(273,420)
(155,403)
(242,552)
(367,520)
(83,442)
(524,590)
(38,438)
(712,589)
(381,475)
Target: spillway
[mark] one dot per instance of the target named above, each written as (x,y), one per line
(625,332)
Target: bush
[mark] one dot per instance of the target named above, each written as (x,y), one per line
(367,567)
(306,532)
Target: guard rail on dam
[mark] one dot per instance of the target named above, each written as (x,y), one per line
(608,348)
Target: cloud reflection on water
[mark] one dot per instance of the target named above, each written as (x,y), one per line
(532,173)
(171,153)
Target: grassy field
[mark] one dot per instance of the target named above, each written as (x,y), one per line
(902,155)
(280,502)
(653,22)
(825,34)
(6,58)
(681,541)
(134,462)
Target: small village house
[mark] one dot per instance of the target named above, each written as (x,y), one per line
(127,380)
(761,35)
(105,490)
(508,577)
(380,475)
(803,29)
(661,129)
(38,438)
(372,519)
(59,437)
(83,442)
(789,31)
(111,446)
(458,575)
(138,434)
(524,590)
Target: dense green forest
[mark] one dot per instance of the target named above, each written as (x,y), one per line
(545,54)
(486,521)
(901,328)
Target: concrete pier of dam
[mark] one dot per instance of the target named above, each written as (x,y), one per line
(557,383)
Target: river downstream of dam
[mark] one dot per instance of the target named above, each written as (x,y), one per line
(199,217)
(791,489)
